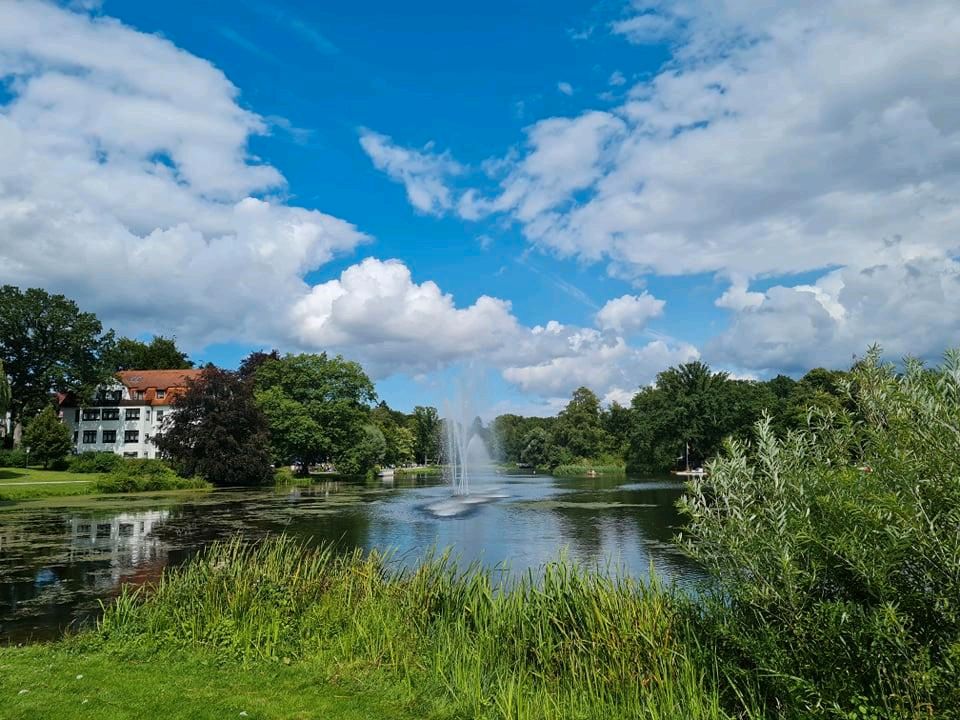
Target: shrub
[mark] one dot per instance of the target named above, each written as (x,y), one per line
(48,439)
(142,475)
(13,458)
(837,549)
(94,462)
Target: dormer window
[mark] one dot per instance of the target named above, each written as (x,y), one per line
(161,394)
(138,394)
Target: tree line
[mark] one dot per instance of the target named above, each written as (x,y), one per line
(682,418)
(295,409)
(310,409)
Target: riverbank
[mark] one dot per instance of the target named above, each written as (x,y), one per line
(419,470)
(246,627)
(22,484)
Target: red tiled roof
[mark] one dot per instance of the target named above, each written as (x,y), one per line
(149,381)
(160,379)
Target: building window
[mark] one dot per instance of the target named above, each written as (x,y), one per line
(159,415)
(161,394)
(133,413)
(89,437)
(76,436)
(110,436)
(148,414)
(111,413)
(76,415)
(130,454)
(131,436)
(91,414)
(138,394)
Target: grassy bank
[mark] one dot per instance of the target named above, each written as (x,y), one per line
(30,483)
(447,643)
(579,469)
(424,470)
(127,476)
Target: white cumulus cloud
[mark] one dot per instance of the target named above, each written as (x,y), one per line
(629,313)
(125,182)
(376,312)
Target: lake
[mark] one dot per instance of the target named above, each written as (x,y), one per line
(60,559)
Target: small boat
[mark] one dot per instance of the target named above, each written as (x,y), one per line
(687,472)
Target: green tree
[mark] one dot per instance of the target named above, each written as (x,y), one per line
(616,422)
(540,450)
(161,353)
(688,413)
(295,437)
(363,454)
(399,437)
(333,393)
(47,438)
(218,432)
(251,363)
(426,430)
(508,433)
(578,428)
(536,448)
(819,389)
(47,344)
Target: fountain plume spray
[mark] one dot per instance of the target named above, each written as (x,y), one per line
(463,449)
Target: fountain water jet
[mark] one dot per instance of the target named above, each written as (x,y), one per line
(463,448)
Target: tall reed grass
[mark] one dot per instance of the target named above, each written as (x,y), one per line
(566,643)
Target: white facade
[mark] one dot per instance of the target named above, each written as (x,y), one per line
(124,419)
(130,434)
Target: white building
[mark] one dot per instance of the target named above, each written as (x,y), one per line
(125,417)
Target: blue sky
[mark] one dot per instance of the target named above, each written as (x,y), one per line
(575,193)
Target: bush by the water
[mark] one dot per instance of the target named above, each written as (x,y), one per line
(137,475)
(837,551)
(94,462)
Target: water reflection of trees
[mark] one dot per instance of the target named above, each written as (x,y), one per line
(634,519)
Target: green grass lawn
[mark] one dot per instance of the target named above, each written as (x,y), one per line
(59,681)
(30,483)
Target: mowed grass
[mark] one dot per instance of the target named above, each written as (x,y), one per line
(30,483)
(63,681)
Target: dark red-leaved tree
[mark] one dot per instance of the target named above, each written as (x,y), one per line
(217,431)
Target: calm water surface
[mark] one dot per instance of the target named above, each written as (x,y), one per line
(60,559)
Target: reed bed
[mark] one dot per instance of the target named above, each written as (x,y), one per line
(565,643)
